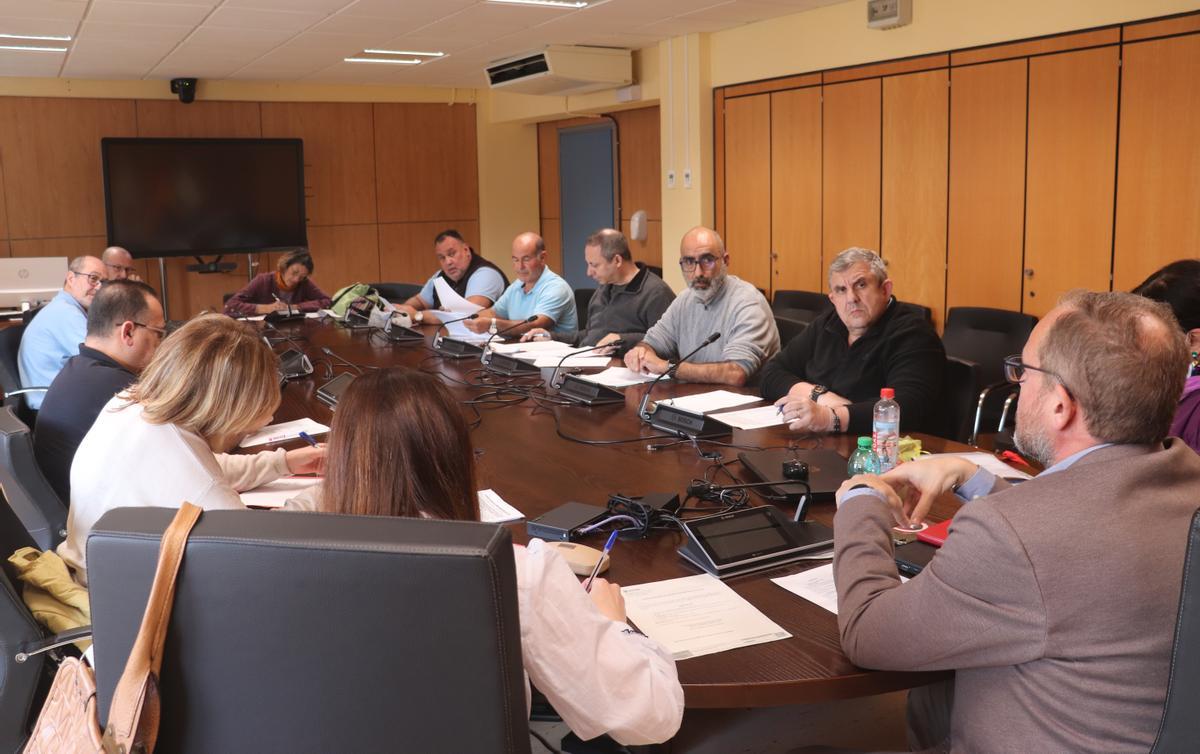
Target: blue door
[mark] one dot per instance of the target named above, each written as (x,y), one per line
(586,176)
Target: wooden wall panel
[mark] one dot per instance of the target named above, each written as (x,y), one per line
(916,139)
(1160,28)
(649,251)
(200,120)
(426,162)
(747,188)
(1158,179)
(639,151)
(987,185)
(796,190)
(1070,180)
(851,159)
(406,249)
(339,157)
(50,149)
(887,68)
(1043,46)
(58,247)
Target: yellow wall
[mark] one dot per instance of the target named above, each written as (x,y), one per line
(837,35)
(508,181)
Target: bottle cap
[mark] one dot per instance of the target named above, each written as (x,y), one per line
(864,442)
(887,393)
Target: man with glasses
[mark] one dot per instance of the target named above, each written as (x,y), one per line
(828,378)
(537,291)
(58,328)
(125,324)
(714,302)
(119,264)
(1053,600)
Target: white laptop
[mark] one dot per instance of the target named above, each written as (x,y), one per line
(27,282)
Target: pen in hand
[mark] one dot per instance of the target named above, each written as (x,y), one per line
(612,539)
(306,437)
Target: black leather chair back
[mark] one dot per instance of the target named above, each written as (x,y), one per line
(1180,726)
(30,496)
(311,632)
(803,306)
(19,681)
(788,329)
(960,394)
(10,343)
(985,336)
(583,296)
(397,293)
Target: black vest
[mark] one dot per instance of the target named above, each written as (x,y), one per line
(461,286)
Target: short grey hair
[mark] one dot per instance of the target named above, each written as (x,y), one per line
(858,255)
(611,242)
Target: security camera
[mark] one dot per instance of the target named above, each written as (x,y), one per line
(185,88)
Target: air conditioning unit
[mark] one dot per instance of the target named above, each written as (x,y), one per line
(563,69)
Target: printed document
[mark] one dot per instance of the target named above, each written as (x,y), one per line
(571,361)
(451,301)
(459,331)
(493,509)
(752,418)
(715,400)
(275,494)
(815,585)
(698,615)
(619,377)
(285,431)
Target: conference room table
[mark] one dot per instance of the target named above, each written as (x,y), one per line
(523,456)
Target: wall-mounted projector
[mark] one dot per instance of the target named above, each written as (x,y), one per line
(562,70)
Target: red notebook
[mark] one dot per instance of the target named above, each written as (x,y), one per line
(936,534)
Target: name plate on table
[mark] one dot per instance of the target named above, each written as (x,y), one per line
(453,348)
(686,424)
(589,393)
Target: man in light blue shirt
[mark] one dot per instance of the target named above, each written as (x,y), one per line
(55,333)
(537,292)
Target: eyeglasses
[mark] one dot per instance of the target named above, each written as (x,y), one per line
(707,261)
(1014,371)
(93,279)
(121,268)
(161,332)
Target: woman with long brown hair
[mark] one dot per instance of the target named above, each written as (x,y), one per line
(399,446)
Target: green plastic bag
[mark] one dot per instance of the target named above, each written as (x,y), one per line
(344,296)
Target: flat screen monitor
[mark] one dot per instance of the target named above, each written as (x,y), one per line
(28,282)
(190,197)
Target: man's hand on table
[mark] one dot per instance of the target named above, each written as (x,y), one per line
(642,360)
(918,483)
(804,415)
(890,496)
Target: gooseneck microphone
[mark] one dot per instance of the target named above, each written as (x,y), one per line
(487,346)
(329,352)
(554,383)
(461,319)
(672,367)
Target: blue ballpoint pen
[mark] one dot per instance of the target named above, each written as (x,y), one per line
(306,437)
(612,540)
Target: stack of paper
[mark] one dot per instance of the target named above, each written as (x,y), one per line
(285,431)
(715,400)
(493,509)
(619,377)
(752,418)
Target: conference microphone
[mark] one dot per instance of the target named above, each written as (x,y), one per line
(554,383)
(462,319)
(454,348)
(487,346)
(672,367)
(329,352)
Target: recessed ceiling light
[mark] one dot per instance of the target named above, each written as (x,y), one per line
(39,38)
(406,52)
(393,61)
(33,49)
(568,4)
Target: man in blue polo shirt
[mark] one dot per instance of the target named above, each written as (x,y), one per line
(55,333)
(537,292)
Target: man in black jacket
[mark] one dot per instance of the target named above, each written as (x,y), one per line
(828,378)
(125,324)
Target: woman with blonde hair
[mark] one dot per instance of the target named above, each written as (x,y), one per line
(164,440)
(399,446)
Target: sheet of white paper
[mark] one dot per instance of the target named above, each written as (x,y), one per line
(493,509)
(329,313)
(698,615)
(314,315)
(752,418)
(540,347)
(815,585)
(255,318)
(275,494)
(459,331)
(285,431)
(572,361)
(992,464)
(714,400)
(619,377)
(451,301)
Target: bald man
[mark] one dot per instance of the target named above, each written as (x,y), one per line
(118,264)
(537,292)
(714,302)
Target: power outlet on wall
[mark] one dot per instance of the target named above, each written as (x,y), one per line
(670,179)
(687,179)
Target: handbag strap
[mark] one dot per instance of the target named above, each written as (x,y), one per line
(145,659)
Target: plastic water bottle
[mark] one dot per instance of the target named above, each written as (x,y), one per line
(863,460)
(885,431)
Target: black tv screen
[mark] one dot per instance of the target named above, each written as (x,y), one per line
(185,197)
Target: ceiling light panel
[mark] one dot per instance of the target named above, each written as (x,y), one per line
(36,38)
(393,61)
(564,4)
(406,52)
(25,48)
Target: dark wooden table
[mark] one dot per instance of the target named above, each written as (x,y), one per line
(523,458)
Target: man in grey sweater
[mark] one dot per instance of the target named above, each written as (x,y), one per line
(628,302)
(715,302)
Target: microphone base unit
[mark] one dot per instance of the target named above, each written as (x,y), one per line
(399,334)
(510,367)
(686,424)
(275,317)
(589,393)
(451,348)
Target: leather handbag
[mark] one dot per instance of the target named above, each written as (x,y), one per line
(68,724)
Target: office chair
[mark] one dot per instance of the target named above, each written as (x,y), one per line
(803,306)
(920,309)
(397,293)
(1179,729)
(985,336)
(314,632)
(960,386)
(36,505)
(11,392)
(788,329)
(583,297)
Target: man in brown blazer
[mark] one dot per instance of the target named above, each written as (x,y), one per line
(1054,600)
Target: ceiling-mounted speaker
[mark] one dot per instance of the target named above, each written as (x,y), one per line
(637,226)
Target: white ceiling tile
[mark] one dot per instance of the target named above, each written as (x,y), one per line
(38,26)
(318,6)
(484,22)
(733,14)
(14,63)
(423,11)
(52,10)
(342,45)
(147,14)
(253,18)
(259,40)
(428,43)
(196,65)
(97,33)
(364,26)
(680,25)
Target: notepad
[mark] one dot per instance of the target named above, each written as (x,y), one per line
(714,400)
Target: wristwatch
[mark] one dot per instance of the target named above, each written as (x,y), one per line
(418,316)
(816,392)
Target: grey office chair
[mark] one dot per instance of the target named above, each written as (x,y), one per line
(11,392)
(802,306)
(30,496)
(1180,726)
(397,293)
(311,632)
(788,329)
(985,336)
